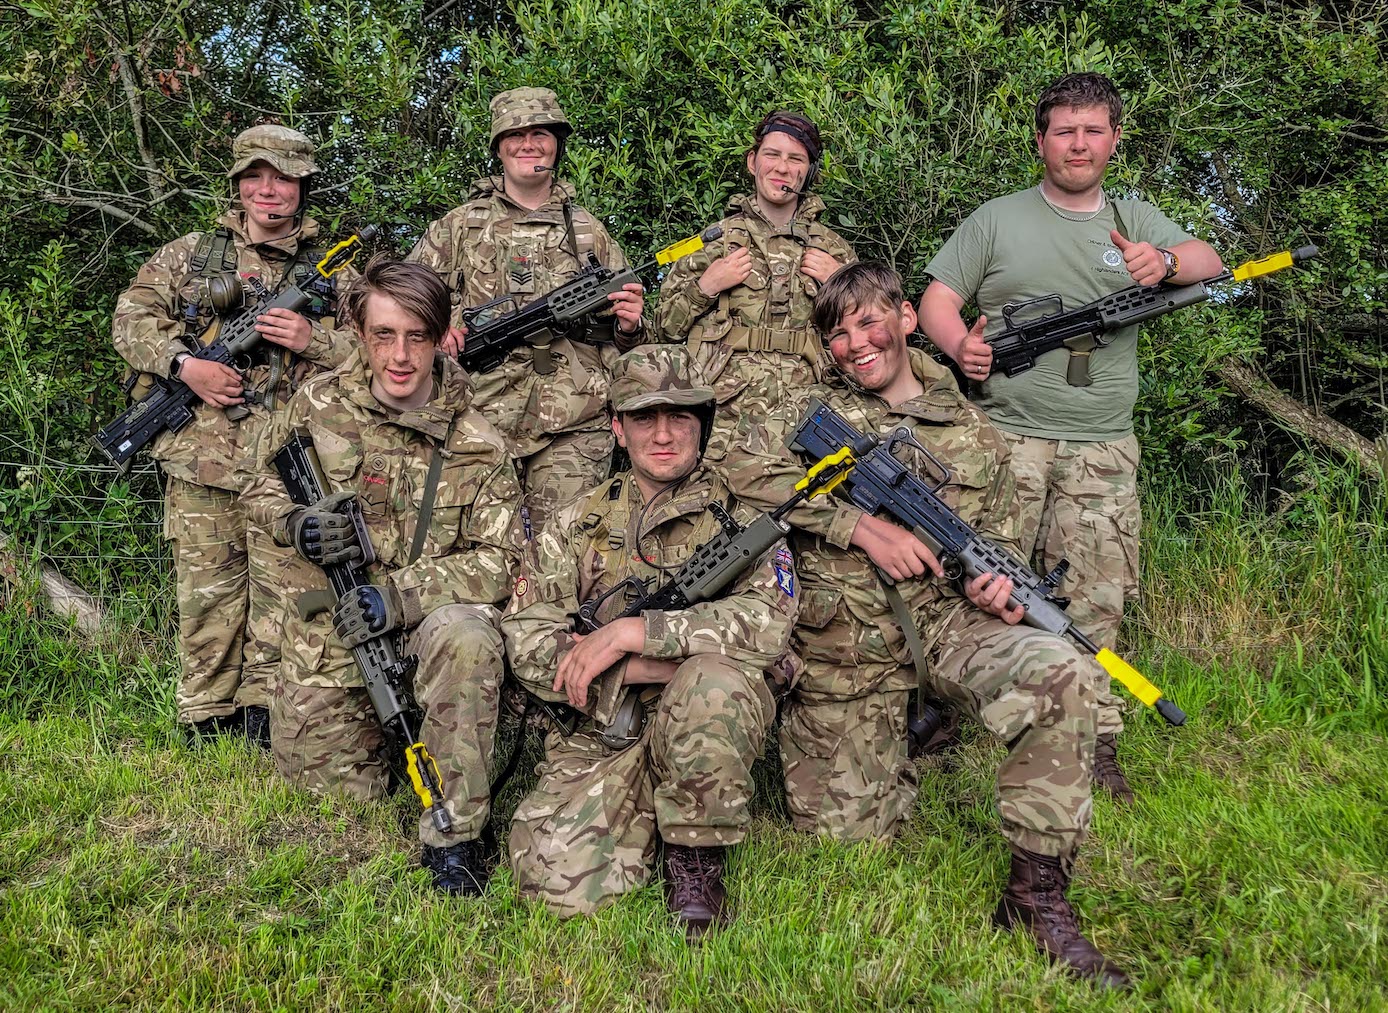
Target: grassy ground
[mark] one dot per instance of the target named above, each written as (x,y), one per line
(1252,875)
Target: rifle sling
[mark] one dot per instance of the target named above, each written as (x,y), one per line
(431,488)
(908,630)
(1077,368)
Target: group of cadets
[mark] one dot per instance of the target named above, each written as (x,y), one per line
(489,504)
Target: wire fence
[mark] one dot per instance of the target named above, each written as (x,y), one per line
(99,527)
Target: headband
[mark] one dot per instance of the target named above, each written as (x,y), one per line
(787,128)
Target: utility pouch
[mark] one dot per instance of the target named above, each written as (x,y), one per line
(626,725)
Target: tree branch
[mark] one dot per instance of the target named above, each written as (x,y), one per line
(137,118)
(1304,421)
(105,209)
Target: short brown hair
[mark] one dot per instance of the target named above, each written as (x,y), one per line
(1079,91)
(802,128)
(418,289)
(855,285)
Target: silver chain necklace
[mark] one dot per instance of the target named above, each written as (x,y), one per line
(1072,216)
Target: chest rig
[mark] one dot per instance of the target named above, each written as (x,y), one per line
(610,524)
(520,262)
(782,290)
(218,292)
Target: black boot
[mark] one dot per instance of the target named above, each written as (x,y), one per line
(694,888)
(460,869)
(257,726)
(200,733)
(1108,774)
(1035,900)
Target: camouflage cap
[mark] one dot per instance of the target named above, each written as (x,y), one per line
(528,107)
(286,149)
(653,375)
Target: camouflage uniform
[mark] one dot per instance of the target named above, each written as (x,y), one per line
(326,736)
(1080,503)
(754,341)
(491,248)
(227,570)
(587,833)
(843,729)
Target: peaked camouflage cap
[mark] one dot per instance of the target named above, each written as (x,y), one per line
(528,107)
(652,375)
(283,147)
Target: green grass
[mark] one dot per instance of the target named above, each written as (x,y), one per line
(1253,873)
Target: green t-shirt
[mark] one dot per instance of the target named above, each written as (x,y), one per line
(1017,248)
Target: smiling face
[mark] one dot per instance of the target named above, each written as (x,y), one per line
(521,151)
(779,161)
(1077,146)
(265,191)
(400,352)
(662,441)
(869,345)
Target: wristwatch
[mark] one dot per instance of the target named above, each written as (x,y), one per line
(1173,263)
(176,366)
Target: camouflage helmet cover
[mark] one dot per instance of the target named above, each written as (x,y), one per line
(527,107)
(283,147)
(654,375)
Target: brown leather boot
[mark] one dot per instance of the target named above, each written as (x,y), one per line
(1035,899)
(1108,774)
(694,888)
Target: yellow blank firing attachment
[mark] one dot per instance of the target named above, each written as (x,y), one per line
(345,252)
(416,756)
(840,462)
(1139,687)
(1277,262)
(684,247)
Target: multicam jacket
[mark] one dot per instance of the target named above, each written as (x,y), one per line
(592,548)
(151,319)
(384,455)
(492,247)
(980,491)
(753,341)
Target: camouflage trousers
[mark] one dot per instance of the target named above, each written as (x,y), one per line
(587,833)
(562,472)
(328,739)
(1034,692)
(1079,502)
(843,729)
(225,614)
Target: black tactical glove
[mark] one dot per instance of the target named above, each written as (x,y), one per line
(366,612)
(322,533)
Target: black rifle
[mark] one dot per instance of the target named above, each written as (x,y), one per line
(1050,326)
(170,405)
(553,314)
(382,669)
(719,561)
(711,569)
(880,481)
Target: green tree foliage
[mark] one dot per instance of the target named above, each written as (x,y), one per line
(1257,125)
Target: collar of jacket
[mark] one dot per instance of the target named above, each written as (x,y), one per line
(940,401)
(690,497)
(494,187)
(286,245)
(811,207)
(431,419)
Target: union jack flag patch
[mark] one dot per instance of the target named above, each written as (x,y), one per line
(783,563)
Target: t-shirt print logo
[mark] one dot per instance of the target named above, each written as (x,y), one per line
(1113,258)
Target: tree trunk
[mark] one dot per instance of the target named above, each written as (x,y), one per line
(64,597)
(1291,414)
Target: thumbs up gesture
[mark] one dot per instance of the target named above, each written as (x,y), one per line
(1143,261)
